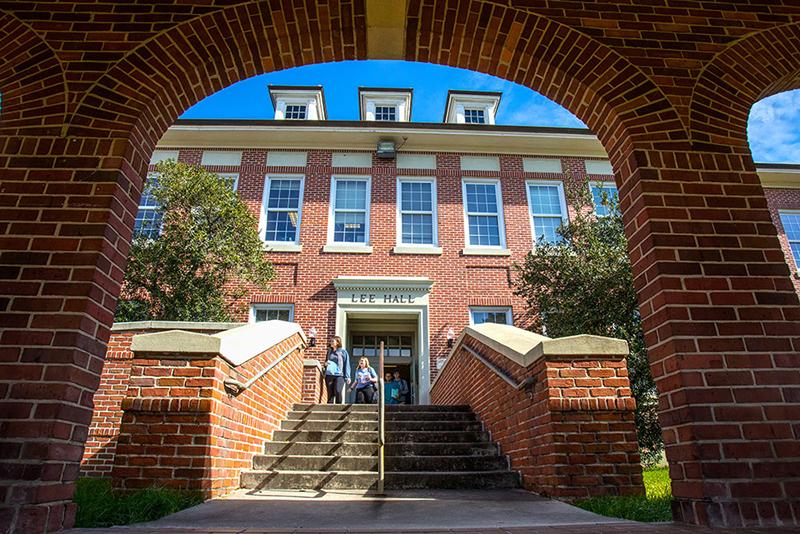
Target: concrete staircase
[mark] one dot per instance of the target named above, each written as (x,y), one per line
(327,446)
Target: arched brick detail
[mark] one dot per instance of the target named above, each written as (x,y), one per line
(31,80)
(755,67)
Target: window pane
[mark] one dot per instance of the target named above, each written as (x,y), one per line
(284,194)
(147,223)
(417,229)
(351,194)
(281,226)
(474,116)
(295,111)
(545,199)
(545,229)
(272,314)
(416,196)
(484,230)
(385,113)
(601,194)
(350,228)
(481,198)
(791,225)
(498,317)
(796,252)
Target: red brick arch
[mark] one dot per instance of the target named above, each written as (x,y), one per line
(31,78)
(754,67)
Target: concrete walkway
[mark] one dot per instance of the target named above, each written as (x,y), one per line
(492,511)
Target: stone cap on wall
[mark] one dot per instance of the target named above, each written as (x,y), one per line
(237,345)
(524,347)
(172,325)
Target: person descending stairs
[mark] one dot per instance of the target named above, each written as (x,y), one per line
(335,446)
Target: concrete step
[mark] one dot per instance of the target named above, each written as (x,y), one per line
(299,424)
(338,415)
(374,408)
(315,463)
(391,426)
(446,463)
(327,436)
(439,436)
(318,480)
(369,449)
(431,416)
(428,408)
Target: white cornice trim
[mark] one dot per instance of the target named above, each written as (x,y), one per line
(382,283)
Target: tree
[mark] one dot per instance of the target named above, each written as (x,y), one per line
(583,284)
(207,248)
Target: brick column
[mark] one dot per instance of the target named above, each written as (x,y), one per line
(721,325)
(569,428)
(314,391)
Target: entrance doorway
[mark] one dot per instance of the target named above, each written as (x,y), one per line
(399,336)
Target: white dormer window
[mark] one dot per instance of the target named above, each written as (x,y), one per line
(474,116)
(471,107)
(386,113)
(295,111)
(388,105)
(298,103)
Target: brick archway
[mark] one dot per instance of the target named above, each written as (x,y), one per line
(720,311)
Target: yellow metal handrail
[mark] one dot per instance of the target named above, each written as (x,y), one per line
(381,417)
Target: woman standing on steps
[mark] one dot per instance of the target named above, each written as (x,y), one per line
(337,371)
(366,378)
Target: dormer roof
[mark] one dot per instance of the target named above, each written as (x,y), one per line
(313,96)
(458,101)
(370,97)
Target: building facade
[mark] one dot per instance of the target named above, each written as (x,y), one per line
(387,230)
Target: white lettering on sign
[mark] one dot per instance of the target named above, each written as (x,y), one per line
(388,298)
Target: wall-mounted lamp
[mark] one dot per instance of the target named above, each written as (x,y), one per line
(386,149)
(451,338)
(312,337)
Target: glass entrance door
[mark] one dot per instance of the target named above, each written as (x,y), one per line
(399,355)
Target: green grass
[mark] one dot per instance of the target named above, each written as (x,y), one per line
(100,506)
(649,508)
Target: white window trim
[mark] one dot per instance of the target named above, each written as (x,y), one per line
(561,197)
(381,105)
(789,241)
(505,309)
(604,184)
(139,208)
(234,175)
(302,105)
(434,210)
(262,224)
(475,249)
(271,306)
(332,245)
(476,108)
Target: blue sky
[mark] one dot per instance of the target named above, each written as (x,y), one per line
(773,128)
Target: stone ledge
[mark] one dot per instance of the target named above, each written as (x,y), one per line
(172,325)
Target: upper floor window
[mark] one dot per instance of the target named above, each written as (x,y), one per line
(295,111)
(350,210)
(417,207)
(605,198)
(483,212)
(148,217)
(271,312)
(386,113)
(499,315)
(283,199)
(474,116)
(548,210)
(791,225)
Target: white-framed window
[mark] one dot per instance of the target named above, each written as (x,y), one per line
(148,217)
(548,209)
(602,193)
(498,315)
(483,213)
(295,111)
(386,113)
(349,210)
(271,312)
(790,220)
(231,177)
(474,116)
(282,209)
(416,207)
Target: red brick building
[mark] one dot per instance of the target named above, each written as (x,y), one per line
(412,245)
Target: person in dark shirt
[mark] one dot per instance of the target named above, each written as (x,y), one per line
(337,371)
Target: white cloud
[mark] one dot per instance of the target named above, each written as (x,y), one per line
(773,128)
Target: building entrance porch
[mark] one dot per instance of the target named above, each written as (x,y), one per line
(399,336)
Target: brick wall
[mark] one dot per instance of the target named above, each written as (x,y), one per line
(182,429)
(570,432)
